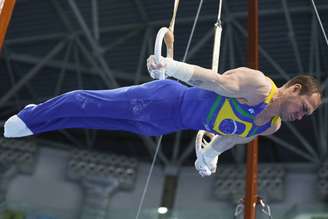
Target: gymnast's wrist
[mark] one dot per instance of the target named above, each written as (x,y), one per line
(179,70)
(210,153)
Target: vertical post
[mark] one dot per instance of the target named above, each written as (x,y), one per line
(6,9)
(169,190)
(252,151)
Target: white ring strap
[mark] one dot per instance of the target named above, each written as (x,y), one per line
(172,23)
(217,40)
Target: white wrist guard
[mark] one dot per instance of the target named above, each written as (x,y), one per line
(179,70)
(210,153)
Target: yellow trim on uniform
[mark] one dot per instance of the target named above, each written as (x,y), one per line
(275,120)
(272,92)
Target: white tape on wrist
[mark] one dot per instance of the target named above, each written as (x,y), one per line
(211,153)
(179,70)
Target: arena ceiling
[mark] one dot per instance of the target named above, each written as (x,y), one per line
(55,46)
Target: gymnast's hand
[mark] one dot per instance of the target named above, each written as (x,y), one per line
(205,163)
(156,69)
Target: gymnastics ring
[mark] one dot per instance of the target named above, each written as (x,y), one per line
(198,143)
(158,48)
(199,140)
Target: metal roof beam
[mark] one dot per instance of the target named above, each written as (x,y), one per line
(94,44)
(291,36)
(263,52)
(33,72)
(95,19)
(35,39)
(29,59)
(142,57)
(292,148)
(128,27)
(187,152)
(141,10)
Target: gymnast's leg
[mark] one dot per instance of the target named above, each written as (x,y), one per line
(153,108)
(81,104)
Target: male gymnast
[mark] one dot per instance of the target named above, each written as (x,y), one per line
(235,106)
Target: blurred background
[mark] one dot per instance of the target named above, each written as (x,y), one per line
(55,46)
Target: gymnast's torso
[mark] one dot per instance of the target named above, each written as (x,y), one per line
(153,108)
(206,110)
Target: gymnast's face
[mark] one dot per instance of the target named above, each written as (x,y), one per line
(294,106)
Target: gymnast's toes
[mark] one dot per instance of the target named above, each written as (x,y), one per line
(14,127)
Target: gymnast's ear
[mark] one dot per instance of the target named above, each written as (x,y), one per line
(296,88)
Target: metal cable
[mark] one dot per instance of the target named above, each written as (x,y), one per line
(148,177)
(320,22)
(219,13)
(192,31)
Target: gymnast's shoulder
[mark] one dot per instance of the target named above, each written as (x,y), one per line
(252,84)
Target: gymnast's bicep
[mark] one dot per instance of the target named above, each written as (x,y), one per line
(239,83)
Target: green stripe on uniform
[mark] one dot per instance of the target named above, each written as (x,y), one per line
(240,110)
(253,132)
(213,108)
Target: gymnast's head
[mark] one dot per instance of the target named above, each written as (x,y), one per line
(299,97)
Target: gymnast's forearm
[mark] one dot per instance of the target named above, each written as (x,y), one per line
(220,144)
(201,77)
(191,74)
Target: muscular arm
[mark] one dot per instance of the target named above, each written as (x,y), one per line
(207,153)
(220,144)
(223,143)
(240,82)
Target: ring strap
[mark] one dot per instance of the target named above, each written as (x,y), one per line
(169,36)
(172,23)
